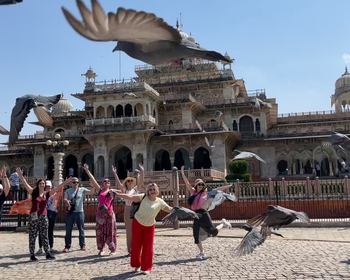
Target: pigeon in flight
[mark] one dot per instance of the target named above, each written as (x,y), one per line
(4,131)
(210,143)
(258,103)
(40,104)
(337,139)
(277,216)
(216,198)
(218,114)
(246,155)
(129,94)
(179,212)
(140,35)
(252,240)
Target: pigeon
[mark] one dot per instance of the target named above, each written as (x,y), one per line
(277,216)
(216,198)
(4,131)
(10,2)
(142,36)
(129,94)
(251,240)
(259,103)
(246,155)
(180,213)
(218,114)
(40,104)
(210,143)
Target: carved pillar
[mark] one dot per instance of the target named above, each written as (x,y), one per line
(58,157)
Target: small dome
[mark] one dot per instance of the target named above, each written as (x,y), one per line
(62,107)
(191,38)
(227,55)
(343,80)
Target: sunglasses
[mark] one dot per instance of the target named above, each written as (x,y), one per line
(75,182)
(201,184)
(152,190)
(106,181)
(129,181)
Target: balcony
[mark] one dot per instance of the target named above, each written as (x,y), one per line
(171,98)
(192,127)
(122,120)
(318,116)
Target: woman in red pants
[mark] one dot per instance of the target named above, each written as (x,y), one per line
(143,226)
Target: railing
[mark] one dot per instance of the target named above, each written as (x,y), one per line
(192,127)
(311,116)
(49,135)
(175,97)
(121,120)
(162,68)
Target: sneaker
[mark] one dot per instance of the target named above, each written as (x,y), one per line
(101,253)
(226,224)
(53,250)
(33,258)
(40,251)
(65,250)
(50,257)
(146,272)
(136,269)
(83,248)
(201,256)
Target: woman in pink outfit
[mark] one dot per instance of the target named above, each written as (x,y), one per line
(106,227)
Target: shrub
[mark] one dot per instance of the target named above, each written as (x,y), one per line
(242,177)
(238,166)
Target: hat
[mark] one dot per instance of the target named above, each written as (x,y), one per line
(198,181)
(127,179)
(48,183)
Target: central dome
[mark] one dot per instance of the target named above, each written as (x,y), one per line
(62,107)
(343,81)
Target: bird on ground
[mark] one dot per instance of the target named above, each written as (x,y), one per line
(142,36)
(258,103)
(246,155)
(251,240)
(41,106)
(276,217)
(216,198)
(218,114)
(179,212)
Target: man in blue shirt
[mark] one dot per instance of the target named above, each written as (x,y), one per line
(14,178)
(75,213)
(4,189)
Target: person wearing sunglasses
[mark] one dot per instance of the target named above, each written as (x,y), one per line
(143,226)
(199,195)
(4,189)
(129,187)
(106,226)
(75,213)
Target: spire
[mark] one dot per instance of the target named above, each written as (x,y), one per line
(177,24)
(346,71)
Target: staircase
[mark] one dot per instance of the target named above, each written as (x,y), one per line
(9,222)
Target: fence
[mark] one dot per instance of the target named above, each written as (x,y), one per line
(322,200)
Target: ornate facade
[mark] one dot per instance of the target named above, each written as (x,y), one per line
(165,117)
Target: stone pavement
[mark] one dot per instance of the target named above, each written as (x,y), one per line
(305,253)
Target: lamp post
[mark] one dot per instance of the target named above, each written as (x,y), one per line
(58,155)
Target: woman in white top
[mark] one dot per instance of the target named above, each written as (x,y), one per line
(129,187)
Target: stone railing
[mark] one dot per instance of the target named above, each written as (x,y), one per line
(175,97)
(49,135)
(311,116)
(121,120)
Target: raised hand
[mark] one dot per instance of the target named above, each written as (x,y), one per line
(182,168)
(141,167)
(86,167)
(19,171)
(114,170)
(3,171)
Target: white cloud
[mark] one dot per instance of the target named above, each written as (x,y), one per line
(346,58)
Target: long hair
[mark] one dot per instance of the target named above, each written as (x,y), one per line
(35,192)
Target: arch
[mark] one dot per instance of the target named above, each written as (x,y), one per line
(234,125)
(31,171)
(123,161)
(100,112)
(110,111)
(154,113)
(182,157)
(162,160)
(50,168)
(59,129)
(325,170)
(282,167)
(100,166)
(138,110)
(307,167)
(257,125)
(128,110)
(89,160)
(70,161)
(147,110)
(246,125)
(201,158)
(139,159)
(119,111)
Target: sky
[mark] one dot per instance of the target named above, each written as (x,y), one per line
(294,49)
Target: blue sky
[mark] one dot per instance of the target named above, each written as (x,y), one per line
(293,48)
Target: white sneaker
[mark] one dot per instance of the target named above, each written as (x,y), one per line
(40,251)
(136,269)
(201,256)
(146,272)
(226,224)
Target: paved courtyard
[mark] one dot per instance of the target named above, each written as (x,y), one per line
(303,254)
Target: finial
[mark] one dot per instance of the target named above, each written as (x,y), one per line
(177,24)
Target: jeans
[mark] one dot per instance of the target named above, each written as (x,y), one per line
(51,215)
(15,193)
(77,217)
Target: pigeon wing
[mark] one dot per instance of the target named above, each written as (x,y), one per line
(250,241)
(43,115)
(125,25)
(178,212)
(18,116)
(4,131)
(47,101)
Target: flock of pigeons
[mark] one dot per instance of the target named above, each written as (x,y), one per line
(259,227)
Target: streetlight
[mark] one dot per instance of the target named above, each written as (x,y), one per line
(58,155)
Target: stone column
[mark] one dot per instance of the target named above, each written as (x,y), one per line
(58,157)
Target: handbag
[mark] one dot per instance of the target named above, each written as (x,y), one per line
(72,203)
(135,207)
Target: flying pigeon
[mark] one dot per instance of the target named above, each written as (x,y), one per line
(140,35)
(218,114)
(216,198)
(252,240)
(277,216)
(210,143)
(246,155)
(40,104)
(129,94)
(179,212)
(4,131)
(259,103)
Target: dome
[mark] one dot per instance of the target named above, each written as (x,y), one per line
(344,80)
(62,107)
(183,34)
